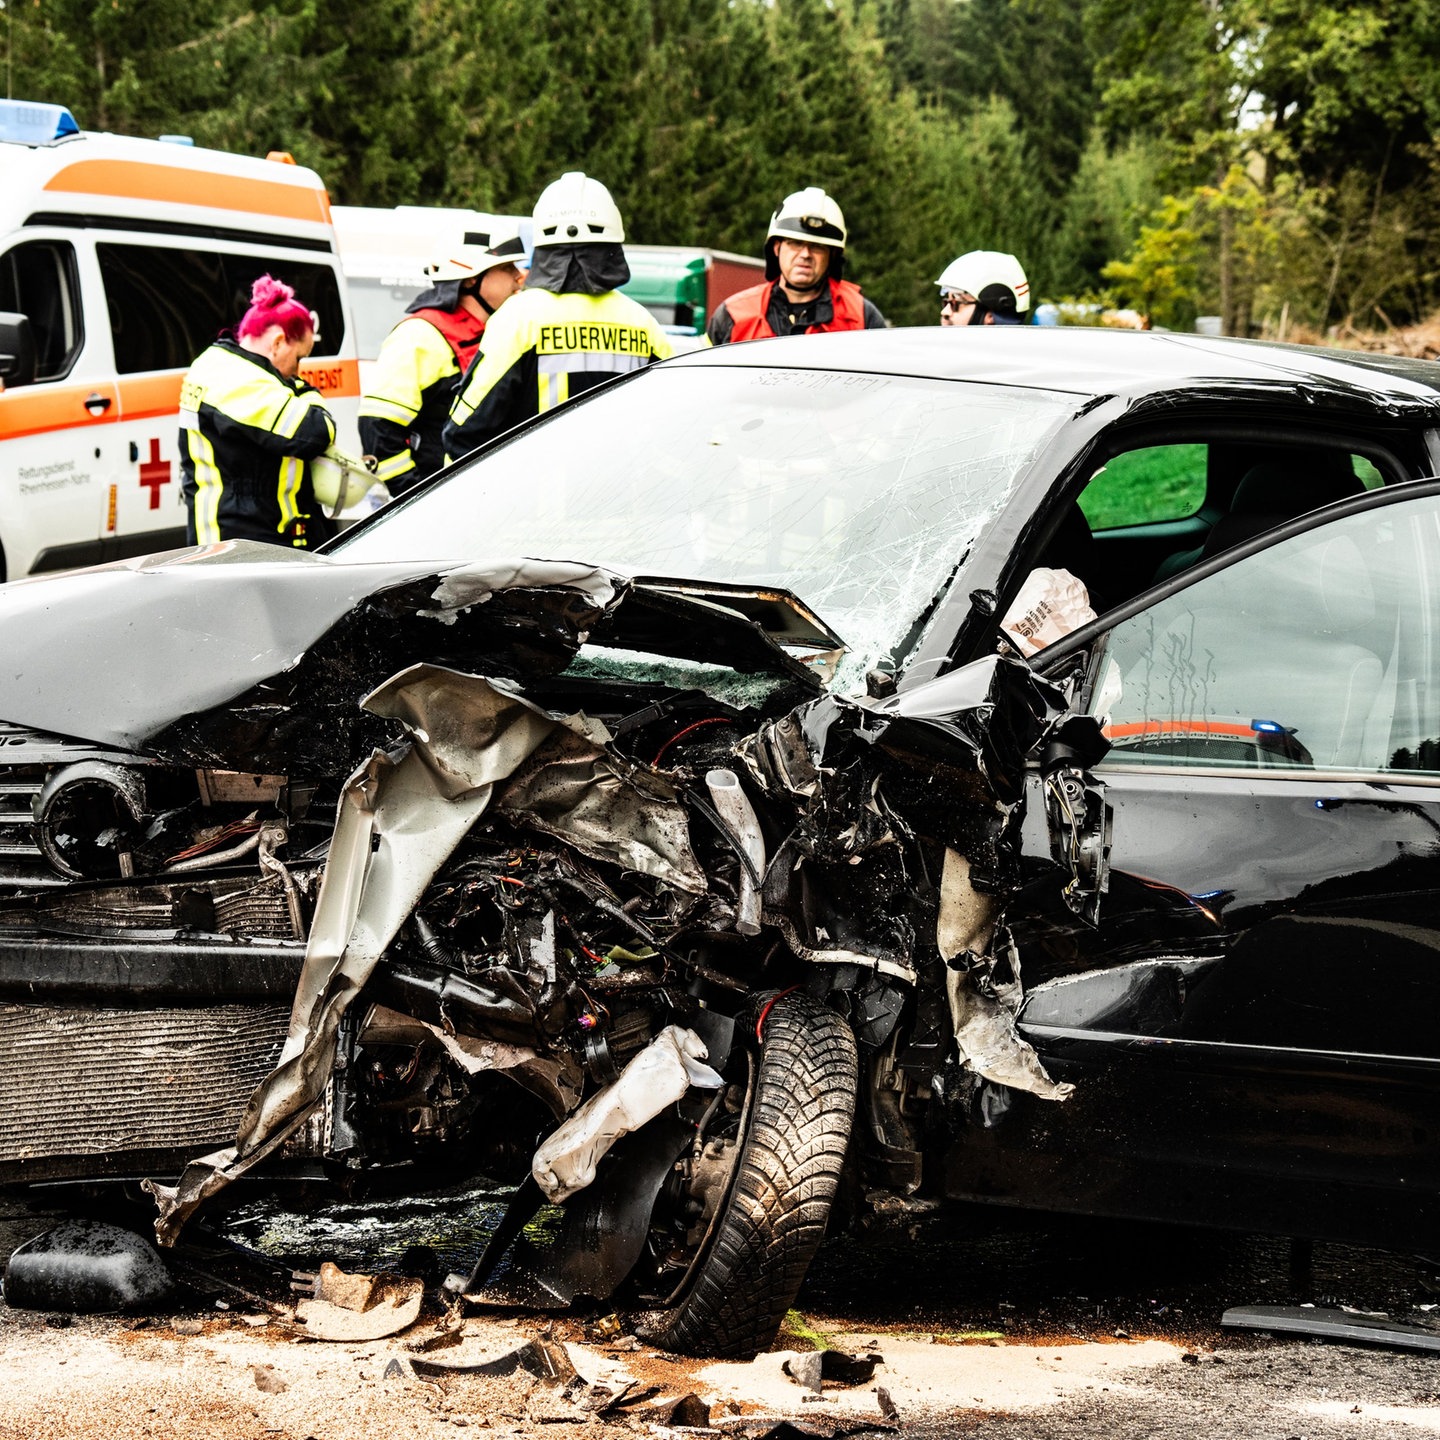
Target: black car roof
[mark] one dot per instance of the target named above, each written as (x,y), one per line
(1084,361)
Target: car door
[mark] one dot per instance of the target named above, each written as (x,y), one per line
(1257,1018)
(58,425)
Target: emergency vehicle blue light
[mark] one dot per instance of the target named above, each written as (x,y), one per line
(1268,727)
(176,139)
(28,122)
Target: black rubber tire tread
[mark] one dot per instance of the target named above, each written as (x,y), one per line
(774,1221)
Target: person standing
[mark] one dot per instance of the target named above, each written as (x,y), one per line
(249,426)
(804,290)
(984,287)
(407,400)
(568,330)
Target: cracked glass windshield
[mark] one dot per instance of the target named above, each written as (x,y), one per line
(858,493)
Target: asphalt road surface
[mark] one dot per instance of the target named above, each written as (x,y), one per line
(990,1322)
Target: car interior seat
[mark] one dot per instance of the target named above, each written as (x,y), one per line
(1072,547)
(1268,495)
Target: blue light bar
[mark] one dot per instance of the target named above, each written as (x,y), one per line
(1268,727)
(27,122)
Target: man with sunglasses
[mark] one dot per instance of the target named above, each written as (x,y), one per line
(803,292)
(984,287)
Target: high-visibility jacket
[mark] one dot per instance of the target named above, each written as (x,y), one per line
(749,310)
(408,397)
(542,349)
(246,437)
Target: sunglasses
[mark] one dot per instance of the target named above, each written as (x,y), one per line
(956,300)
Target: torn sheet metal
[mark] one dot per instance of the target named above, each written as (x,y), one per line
(654,1080)
(1329,1323)
(872,788)
(923,756)
(475,584)
(943,763)
(983,1006)
(556,1078)
(400,820)
(250,609)
(627,815)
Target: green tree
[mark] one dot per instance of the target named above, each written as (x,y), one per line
(1115,190)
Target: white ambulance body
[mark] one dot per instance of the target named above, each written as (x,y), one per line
(127,257)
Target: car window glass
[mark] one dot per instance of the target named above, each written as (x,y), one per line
(1145,487)
(38,280)
(1317,653)
(167,304)
(860,493)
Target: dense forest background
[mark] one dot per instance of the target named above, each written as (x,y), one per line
(1273,162)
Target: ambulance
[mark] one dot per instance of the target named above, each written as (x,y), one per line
(121,259)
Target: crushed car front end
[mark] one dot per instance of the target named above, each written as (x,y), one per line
(592,880)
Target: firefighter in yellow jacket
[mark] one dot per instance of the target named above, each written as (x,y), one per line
(407,399)
(568,330)
(249,426)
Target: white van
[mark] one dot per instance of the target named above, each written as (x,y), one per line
(120,260)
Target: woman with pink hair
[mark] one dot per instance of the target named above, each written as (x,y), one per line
(249,426)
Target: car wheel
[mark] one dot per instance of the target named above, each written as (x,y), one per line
(774,1196)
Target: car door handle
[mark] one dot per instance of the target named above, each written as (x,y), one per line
(97,404)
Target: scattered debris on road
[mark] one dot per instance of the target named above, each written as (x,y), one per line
(353,1308)
(85,1267)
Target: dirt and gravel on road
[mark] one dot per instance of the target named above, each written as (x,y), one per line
(986,1323)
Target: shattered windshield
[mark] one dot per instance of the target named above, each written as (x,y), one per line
(859,493)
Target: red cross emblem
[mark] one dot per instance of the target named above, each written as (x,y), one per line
(154,473)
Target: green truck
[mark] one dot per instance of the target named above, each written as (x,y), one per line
(680,285)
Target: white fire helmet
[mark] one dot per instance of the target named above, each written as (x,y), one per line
(576,210)
(809,214)
(995,279)
(479,253)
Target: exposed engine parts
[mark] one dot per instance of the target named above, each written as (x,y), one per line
(568,931)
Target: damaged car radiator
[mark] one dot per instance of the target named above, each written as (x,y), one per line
(87,1081)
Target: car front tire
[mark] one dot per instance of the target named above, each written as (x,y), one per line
(774,1217)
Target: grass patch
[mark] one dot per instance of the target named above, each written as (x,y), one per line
(1144,487)
(797,1333)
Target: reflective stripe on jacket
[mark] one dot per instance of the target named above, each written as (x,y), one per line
(542,349)
(749,310)
(246,435)
(407,400)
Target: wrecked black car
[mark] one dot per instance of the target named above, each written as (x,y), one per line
(844,771)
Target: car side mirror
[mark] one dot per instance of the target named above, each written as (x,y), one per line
(17,349)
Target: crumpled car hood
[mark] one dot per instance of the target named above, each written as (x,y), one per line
(116,654)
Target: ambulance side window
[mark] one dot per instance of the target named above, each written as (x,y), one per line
(167,304)
(38,279)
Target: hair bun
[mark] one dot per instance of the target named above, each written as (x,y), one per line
(268,292)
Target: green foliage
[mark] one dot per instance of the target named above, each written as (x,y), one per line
(1331,110)
(1116,188)
(1144,487)
(1249,158)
